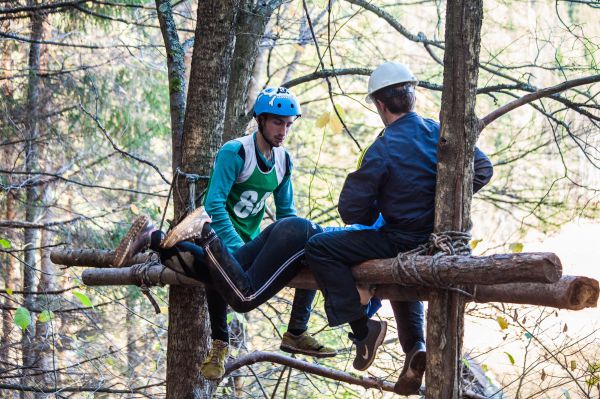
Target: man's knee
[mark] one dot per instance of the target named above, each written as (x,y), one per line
(297,227)
(316,246)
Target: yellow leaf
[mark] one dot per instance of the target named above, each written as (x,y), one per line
(322,120)
(164,309)
(335,125)
(516,247)
(134,209)
(502,322)
(474,243)
(340,111)
(9,291)
(573,365)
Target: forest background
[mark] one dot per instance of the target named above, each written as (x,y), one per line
(85,138)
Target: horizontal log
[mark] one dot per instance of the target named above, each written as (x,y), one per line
(542,267)
(570,292)
(154,274)
(90,257)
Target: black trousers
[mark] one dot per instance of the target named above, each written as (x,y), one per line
(330,256)
(253,274)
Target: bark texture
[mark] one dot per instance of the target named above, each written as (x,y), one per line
(202,134)
(543,267)
(251,26)
(176,76)
(9,270)
(570,292)
(43,352)
(32,201)
(458,133)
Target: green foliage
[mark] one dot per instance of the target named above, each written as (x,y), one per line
(510,357)
(22,318)
(46,316)
(83,298)
(5,244)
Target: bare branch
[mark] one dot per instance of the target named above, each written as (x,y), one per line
(546,92)
(120,151)
(420,38)
(311,368)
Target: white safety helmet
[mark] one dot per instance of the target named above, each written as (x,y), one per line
(388,74)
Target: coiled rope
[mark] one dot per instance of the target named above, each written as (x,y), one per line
(446,243)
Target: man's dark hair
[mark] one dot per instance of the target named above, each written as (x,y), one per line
(397,99)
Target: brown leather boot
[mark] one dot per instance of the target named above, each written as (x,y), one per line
(194,225)
(136,240)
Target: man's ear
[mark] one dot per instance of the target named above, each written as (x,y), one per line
(260,119)
(380,105)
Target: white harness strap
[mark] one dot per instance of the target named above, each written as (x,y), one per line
(250,162)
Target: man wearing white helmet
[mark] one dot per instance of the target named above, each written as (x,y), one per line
(397,180)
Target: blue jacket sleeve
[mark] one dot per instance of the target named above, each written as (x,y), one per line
(228,166)
(284,195)
(483,170)
(358,199)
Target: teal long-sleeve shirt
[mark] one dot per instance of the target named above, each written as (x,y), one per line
(229,163)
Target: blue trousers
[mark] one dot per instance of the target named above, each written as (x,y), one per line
(330,256)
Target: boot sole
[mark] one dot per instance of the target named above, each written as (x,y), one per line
(120,255)
(319,355)
(184,230)
(378,343)
(410,383)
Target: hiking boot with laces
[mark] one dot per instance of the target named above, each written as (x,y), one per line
(194,225)
(305,344)
(366,349)
(213,367)
(136,240)
(411,376)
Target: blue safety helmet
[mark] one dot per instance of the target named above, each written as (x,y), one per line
(277,101)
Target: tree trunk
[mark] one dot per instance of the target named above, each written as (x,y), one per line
(44,331)
(131,331)
(32,192)
(202,133)
(9,271)
(176,76)
(250,29)
(458,133)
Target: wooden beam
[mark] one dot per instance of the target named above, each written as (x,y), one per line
(542,267)
(570,292)
(90,257)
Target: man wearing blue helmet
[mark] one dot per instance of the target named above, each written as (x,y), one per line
(247,171)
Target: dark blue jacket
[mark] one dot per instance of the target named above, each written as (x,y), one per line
(397,178)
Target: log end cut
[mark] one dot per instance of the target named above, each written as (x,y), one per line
(552,267)
(585,293)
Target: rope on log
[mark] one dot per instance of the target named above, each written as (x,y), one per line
(531,267)
(531,271)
